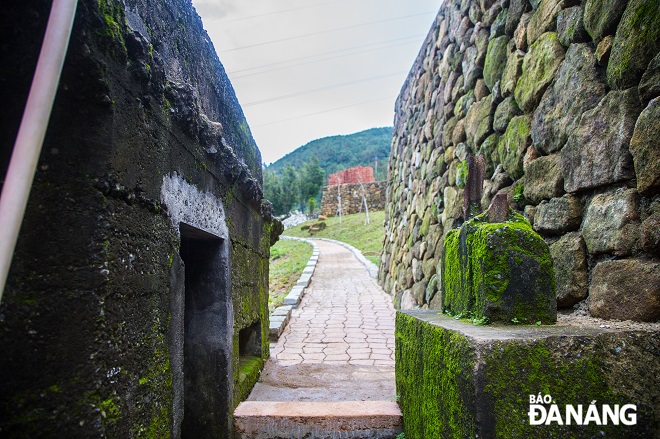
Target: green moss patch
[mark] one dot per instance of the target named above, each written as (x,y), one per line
(501,271)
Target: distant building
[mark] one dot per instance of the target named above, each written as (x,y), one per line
(358,174)
(350,185)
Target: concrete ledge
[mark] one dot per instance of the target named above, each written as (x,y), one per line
(351,419)
(459,380)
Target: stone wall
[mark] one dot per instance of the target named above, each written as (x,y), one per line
(351,197)
(561,97)
(146,212)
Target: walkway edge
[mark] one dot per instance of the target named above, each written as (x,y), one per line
(279,318)
(370,266)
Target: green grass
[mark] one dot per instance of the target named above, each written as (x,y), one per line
(368,239)
(287,262)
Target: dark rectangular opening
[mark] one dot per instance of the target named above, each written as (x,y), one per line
(249,340)
(207,335)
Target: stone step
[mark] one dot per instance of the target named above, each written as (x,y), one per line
(317,420)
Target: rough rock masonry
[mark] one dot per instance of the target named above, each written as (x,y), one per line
(561,97)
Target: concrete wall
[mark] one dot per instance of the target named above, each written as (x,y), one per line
(351,197)
(561,99)
(146,235)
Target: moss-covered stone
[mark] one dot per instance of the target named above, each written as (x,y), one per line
(495,60)
(457,380)
(602,16)
(430,362)
(513,144)
(501,271)
(544,19)
(636,42)
(479,121)
(645,149)
(539,67)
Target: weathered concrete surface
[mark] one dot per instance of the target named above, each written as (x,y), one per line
(353,419)
(459,380)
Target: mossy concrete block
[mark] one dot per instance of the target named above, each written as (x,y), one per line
(602,16)
(495,60)
(457,380)
(498,270)
(538,71)
(636,42)
(513,144)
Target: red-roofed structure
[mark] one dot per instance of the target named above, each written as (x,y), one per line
(358,174)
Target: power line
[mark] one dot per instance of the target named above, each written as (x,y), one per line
(324,111)
(329,87)
(310,59)
(325,32)
(283,11)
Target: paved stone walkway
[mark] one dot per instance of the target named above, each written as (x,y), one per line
(339,343)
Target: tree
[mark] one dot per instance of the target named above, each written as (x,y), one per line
(311,204)
(290,189)
(273,191)
(311,179)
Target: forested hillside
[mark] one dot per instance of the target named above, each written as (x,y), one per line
(295,181)
(340,152)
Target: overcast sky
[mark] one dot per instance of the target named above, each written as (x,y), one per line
(306,69)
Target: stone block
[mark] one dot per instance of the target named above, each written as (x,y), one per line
(627,289)
(458,380)
(606,219)
(287,419)
(597,153)
(544,19)
(513,145)
(570,26)
(650,234)
(645,149)
(544,179)
(636,42)
(294,296)
(577,88)
(559,215)
(304,280)
(649,85)
(496,58)
(512,72)
(539,67)
(479,121)
(602,16)
(500,271)
(569,258)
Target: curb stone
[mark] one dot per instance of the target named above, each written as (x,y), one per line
(281,315)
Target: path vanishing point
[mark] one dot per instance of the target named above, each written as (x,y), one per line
(331,373)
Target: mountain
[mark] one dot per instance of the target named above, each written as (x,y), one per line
(340,152)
